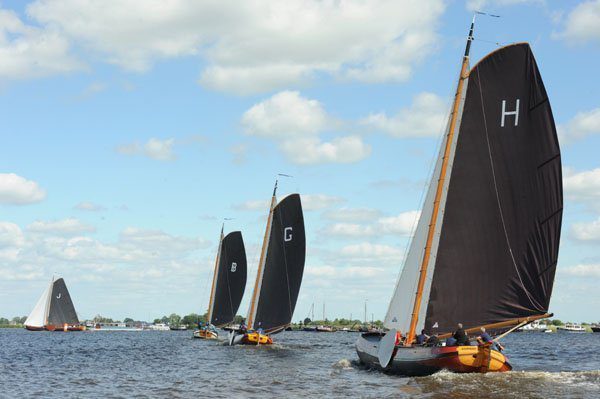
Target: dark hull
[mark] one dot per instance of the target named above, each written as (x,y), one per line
(30,328)
(422,361)
(596,329)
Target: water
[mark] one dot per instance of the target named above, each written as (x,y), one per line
(303,364)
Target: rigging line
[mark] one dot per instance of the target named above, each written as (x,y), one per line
(512,256)
(287,276)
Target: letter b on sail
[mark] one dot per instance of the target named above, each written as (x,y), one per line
(287,234)
(506,113)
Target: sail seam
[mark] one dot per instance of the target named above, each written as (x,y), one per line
(512,256)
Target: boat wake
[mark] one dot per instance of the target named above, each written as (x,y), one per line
(514,384)
(343,364)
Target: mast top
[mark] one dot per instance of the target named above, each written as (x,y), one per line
(470,36)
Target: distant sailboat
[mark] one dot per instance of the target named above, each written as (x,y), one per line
(485,250)
(279,273)
(54,311)
(229,282)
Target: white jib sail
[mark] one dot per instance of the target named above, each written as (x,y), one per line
(37,317)
(401,305)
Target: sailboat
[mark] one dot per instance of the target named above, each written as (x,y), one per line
(229,282)
(279,273)
(54,311)
(485,250)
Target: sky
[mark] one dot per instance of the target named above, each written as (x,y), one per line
(131,128)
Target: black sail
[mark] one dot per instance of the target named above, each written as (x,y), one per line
(500,235)
(61,306)
(231,279)
(284,266)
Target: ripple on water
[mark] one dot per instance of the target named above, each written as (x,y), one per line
(300,364)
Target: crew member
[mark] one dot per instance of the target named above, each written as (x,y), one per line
(461,336)
(421,338)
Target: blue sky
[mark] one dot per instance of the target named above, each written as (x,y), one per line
(129,130)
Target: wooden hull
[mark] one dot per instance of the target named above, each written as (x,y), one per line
(31,328)
(420,361)
(56,328)
(205,334)
(252,338)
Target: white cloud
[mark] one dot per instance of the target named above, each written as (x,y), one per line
(159,150)
(256,45)
(584,270)
(352,214)
(401,224)
(482,5)
(11,240)
(315,202)
(586,231)
(27,51)
(310,151)
(584,124)
(425,117)
(89,206)
(367,251)
(68,226)
(310,202)
(583,187)
(296,123)
(17,190)
(286,115)
(581,23)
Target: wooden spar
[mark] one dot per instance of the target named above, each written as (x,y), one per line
(438,193)
(214,282)
(502,324)
(261,262)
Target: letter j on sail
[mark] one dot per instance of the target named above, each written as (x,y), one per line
(506,113)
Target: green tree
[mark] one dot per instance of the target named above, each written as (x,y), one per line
(307,321)
(157,321)
(3,321)
(557,322)
(128,320)
(174,319)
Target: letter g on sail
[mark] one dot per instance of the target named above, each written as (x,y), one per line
(287,234)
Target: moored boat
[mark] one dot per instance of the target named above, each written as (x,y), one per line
(279,273)
(485,249)
(228,285)
(54,311)
(595,328)
(572,327)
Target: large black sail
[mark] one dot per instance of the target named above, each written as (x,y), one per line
(61,306)
(283,268)
(231,279)
(500,235)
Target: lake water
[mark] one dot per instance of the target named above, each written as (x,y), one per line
(302,364)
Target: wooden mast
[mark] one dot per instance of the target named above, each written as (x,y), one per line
(261,262)
(214,282)
(439,190)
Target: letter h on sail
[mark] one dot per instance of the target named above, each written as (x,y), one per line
(508,113)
